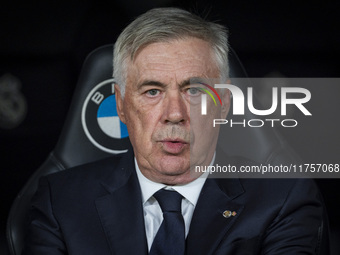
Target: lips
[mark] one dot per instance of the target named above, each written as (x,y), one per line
(174,146)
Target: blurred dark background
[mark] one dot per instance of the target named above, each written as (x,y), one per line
(44,43)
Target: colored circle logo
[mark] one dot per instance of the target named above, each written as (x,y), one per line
(108,119)
(100,120)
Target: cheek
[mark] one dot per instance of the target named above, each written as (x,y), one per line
(198,120)
(141,120)
(202,129)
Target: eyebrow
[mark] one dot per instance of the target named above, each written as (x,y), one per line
(151,83)
(162,85)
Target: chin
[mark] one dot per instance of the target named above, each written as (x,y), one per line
(175,172)
(176,179)
(174,164)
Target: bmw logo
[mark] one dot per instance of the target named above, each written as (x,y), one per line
(100,120)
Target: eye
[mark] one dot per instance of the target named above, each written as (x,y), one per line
(152,92)
(193,91)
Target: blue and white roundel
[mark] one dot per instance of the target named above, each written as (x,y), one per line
(100,120)
(108,119)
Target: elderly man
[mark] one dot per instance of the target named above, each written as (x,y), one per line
(151,201)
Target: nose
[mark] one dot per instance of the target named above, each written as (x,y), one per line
(175,109)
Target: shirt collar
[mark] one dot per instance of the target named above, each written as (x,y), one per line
(190,191)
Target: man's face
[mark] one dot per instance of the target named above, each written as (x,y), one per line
(162,110)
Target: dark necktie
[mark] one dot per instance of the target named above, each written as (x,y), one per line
(170,238)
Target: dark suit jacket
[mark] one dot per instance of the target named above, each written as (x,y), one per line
(97,209)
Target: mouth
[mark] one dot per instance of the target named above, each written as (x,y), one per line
(174,146)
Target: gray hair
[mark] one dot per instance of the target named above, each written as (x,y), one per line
(162,25)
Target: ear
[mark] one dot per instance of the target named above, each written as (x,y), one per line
(225,102)
(120,104)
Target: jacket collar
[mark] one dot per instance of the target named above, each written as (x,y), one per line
(121,211)
(211,220)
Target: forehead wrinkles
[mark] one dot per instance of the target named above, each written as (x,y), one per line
(185,57)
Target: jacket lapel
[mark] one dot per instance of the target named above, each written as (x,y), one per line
(209,225)
(121,211)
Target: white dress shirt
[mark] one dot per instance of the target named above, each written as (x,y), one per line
(153,215)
